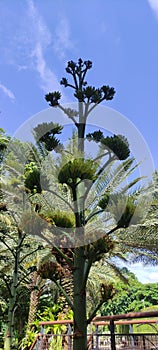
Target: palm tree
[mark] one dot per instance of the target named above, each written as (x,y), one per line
(16,247)
(143,238)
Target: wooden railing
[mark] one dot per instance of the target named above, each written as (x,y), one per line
(109,341)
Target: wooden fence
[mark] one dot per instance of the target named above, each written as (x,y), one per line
(102,333)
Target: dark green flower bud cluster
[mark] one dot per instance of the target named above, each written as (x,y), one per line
(95,136)
(77,170)
(93,95)
(53,98)
(118,144)
(45,133)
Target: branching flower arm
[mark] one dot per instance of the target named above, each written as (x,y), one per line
(70,116)
(63,199)
(93,314)
(8,247)
(99,211)
(88,265)
(64,293)
(24,257)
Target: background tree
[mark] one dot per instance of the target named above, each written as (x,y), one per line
(132,296)
(16,248)
(4,139)
(21,256)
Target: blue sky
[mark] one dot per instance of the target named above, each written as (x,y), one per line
(38,37)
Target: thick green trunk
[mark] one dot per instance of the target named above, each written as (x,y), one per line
(81,128)
(79,297)
(80,320)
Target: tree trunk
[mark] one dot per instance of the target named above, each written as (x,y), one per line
(67,284)
(80,319)
(79,297)
(8,340)
(9,332)
(34,300)
(13,294)
(81,128)
(36,289)
(10,324)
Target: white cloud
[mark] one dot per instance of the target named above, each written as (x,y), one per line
(49,80)
(154,6)
(28,48)
(153,276)
(7,92)
(21,67)
(145,274)
(62,41)
(39,30)
(42,39)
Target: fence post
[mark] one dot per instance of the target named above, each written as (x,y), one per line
(97,338)
(112,334)
(69,336)
(131,336)
(42,329)
(40,339)
(144,347)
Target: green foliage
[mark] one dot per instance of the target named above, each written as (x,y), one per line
(104,200)
(56,342)
(150,327)
(4,140)
(16,249)
(145,328)
(27,342)
(133,296)
(128,213)
(50,313)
